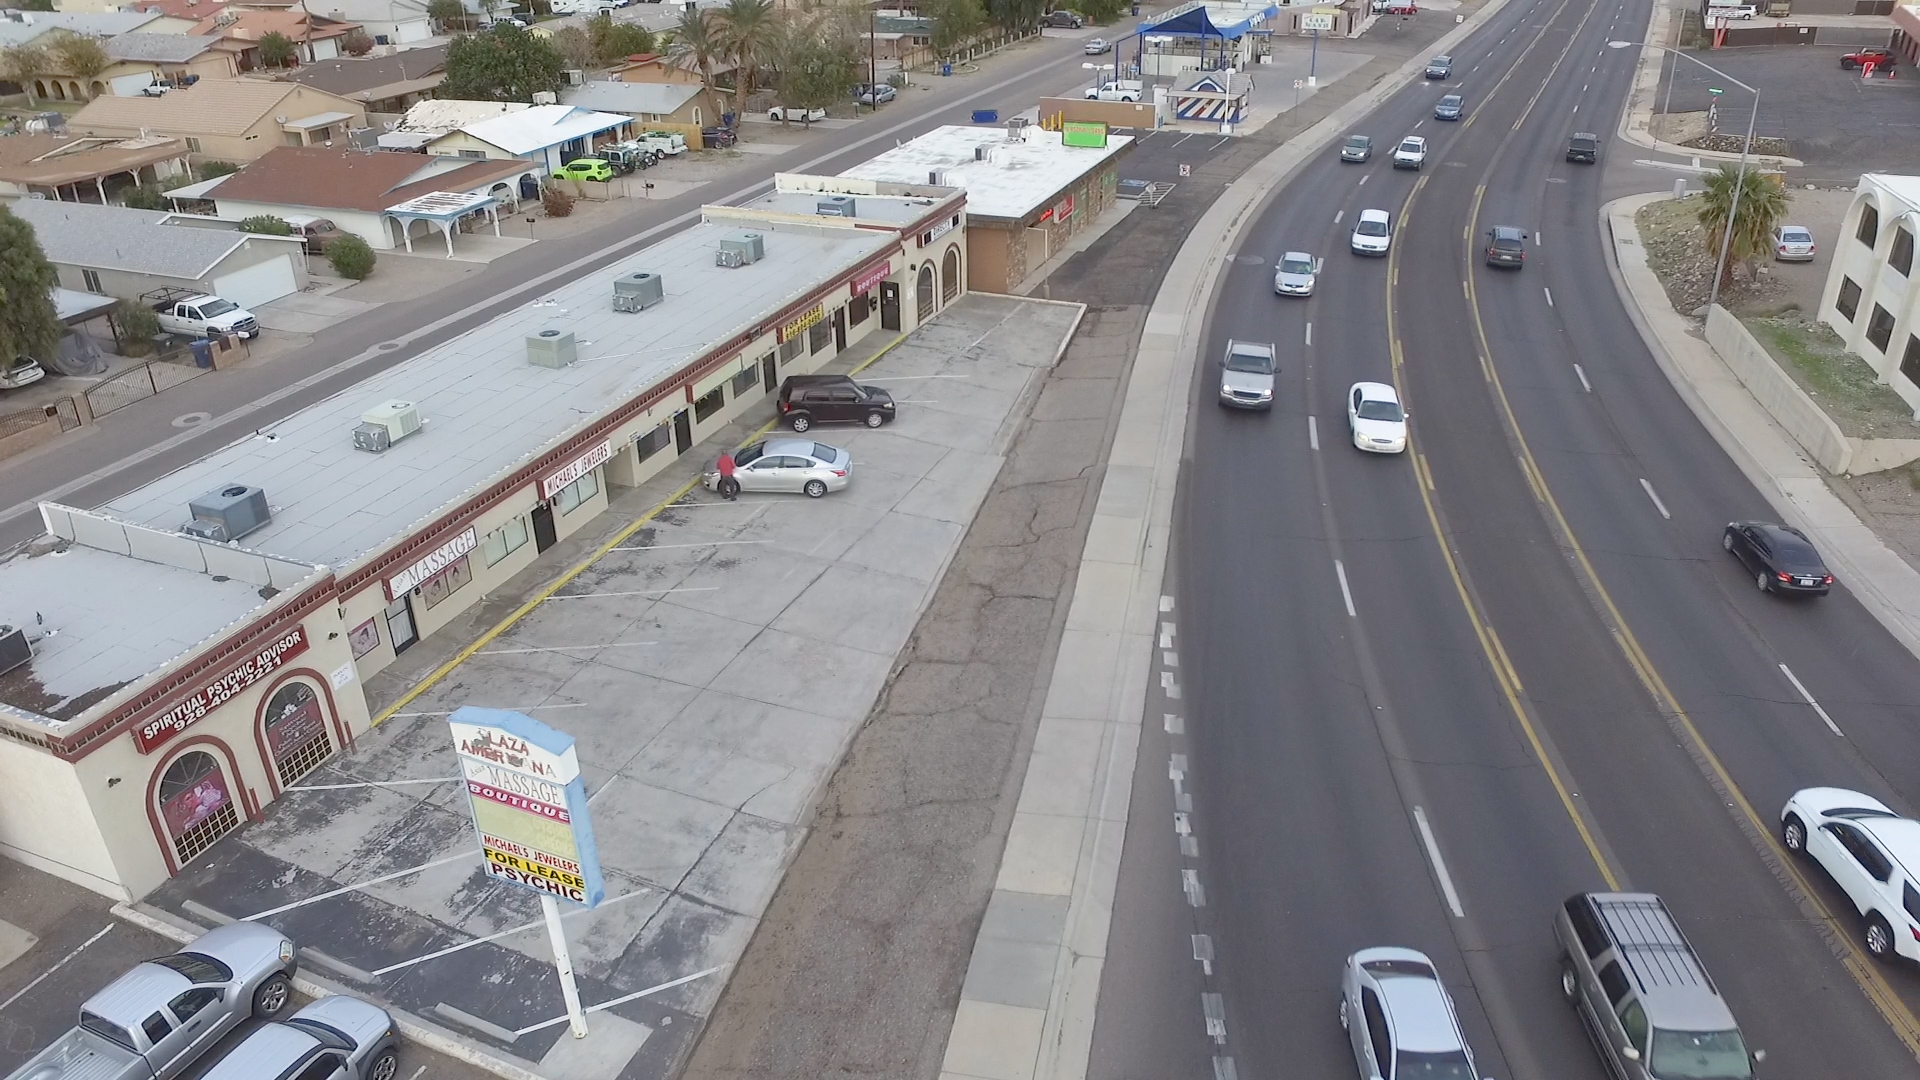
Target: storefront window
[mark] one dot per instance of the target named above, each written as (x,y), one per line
(364,638)
(654,441)
(861,306)
(709,403)
(296,731)
(196,804)
(577,492)
(505,540)
(791,348)
(745,382)
(446,582)
(819,335)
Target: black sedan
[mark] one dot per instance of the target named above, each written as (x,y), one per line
(1780,557)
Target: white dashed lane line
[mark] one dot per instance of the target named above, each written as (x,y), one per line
(1797,685)
(1345,593)
(1655,496)
(1439,864)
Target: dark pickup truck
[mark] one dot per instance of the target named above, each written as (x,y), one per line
(1583,147)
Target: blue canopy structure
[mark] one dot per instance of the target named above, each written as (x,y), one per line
(1196,19)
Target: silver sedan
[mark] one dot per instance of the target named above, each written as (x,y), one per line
(796,465)
(334,1038)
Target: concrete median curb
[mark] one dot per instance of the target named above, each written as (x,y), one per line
(1792,483)
(1052,902)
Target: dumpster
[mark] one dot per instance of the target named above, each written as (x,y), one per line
(986,116)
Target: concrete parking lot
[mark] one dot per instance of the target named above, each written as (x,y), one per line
(713,665)
(1839,124)
(59,944)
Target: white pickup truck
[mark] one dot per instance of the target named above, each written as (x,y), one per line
(183,311)
(1116,90)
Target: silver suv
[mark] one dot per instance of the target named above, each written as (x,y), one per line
(1246,375)
(1649,1006)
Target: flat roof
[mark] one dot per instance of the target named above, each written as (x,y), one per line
(890,210)
(487,410)
(1904,188)
(1014,179)
(109,619)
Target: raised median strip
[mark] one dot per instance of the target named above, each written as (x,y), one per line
(1026,1010)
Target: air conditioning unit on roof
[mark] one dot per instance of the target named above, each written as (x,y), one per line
(551,348)
(750,247)
(400,418)
(228,512)
(637,291)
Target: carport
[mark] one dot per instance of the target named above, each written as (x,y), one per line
(445,209)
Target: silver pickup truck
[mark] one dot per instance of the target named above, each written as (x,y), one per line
(156,1020)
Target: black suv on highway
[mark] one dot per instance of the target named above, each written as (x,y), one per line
(1583,147)
(806,400)
(1506,246)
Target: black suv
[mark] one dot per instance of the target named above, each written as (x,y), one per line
(1506,246)
(1583,147)
(806,400)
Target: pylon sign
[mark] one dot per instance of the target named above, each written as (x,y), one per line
(528,802)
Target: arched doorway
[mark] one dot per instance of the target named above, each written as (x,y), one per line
(40,88)
(196,804)
(923,293)
(295,725)
(950,276)
(96,89)
(73,92)
(59,91)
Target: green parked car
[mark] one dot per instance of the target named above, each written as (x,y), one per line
(585,169)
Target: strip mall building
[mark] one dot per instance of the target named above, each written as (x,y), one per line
(171,661)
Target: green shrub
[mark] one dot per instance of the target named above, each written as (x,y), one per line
(266,225)
(144,197)
(210,169)
(138,325)
(351,257)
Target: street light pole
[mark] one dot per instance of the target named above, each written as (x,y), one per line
(1740,174)
(873,65)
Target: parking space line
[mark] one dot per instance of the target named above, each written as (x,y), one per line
(62,962)
(1792,678)
(369,883)
(1439,864)
(1313,434)
(509,932)
(637,994)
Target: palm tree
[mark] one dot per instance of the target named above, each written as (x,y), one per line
(697,38)
(746,31)
(1762,203)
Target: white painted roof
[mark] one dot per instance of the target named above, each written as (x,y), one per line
(441,116)
(541,126)
(657,98)
(1016,178)
(487,409)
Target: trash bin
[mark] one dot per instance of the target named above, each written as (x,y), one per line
(202,350)
(946,69)
(1136,9)
(529,188)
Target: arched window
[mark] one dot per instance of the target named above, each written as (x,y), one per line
(950,275)
(923,293)
(296,730)
(196,802)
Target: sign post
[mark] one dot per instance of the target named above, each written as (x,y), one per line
(529,806)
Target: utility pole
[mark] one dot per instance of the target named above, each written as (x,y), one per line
(873,65)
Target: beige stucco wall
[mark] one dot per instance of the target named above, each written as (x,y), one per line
(42,823)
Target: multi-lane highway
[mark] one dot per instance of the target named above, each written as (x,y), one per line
(1428,696)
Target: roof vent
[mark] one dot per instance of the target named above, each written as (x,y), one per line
(983,152)
(637,291)
(834,206)
(742,249)
(15,649)
(551,348)
(228,512)
(937,177)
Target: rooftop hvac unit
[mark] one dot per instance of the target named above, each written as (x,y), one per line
(14,648)
(228,512)
(364,138)
(545,97)
(937,177)
(834,206)
(575,77)
(752,246)
(372,438)
(637,291)
(400,418)
(1017,129)
(727,257)
(551,349)
(983,152)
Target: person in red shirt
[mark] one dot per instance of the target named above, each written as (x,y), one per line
(729,487)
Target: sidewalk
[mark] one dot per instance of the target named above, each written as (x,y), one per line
(1865,565)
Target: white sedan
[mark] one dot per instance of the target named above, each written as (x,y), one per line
(1372,234)
(1374,415)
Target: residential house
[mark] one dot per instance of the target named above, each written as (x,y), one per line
(120,252)
(681,107)
(391,22)
(140,59)
(384,84)
(900,40)
(427,120)
(656,68)
(228,119)
(548,135)
(315,38)
(20,27)
(64,166)
(358,190)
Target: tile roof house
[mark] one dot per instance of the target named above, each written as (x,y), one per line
(316,38)
(549,135)
(181,59)
(384,84)
(120,252)
(355,189)
(228,119)
(45,164)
